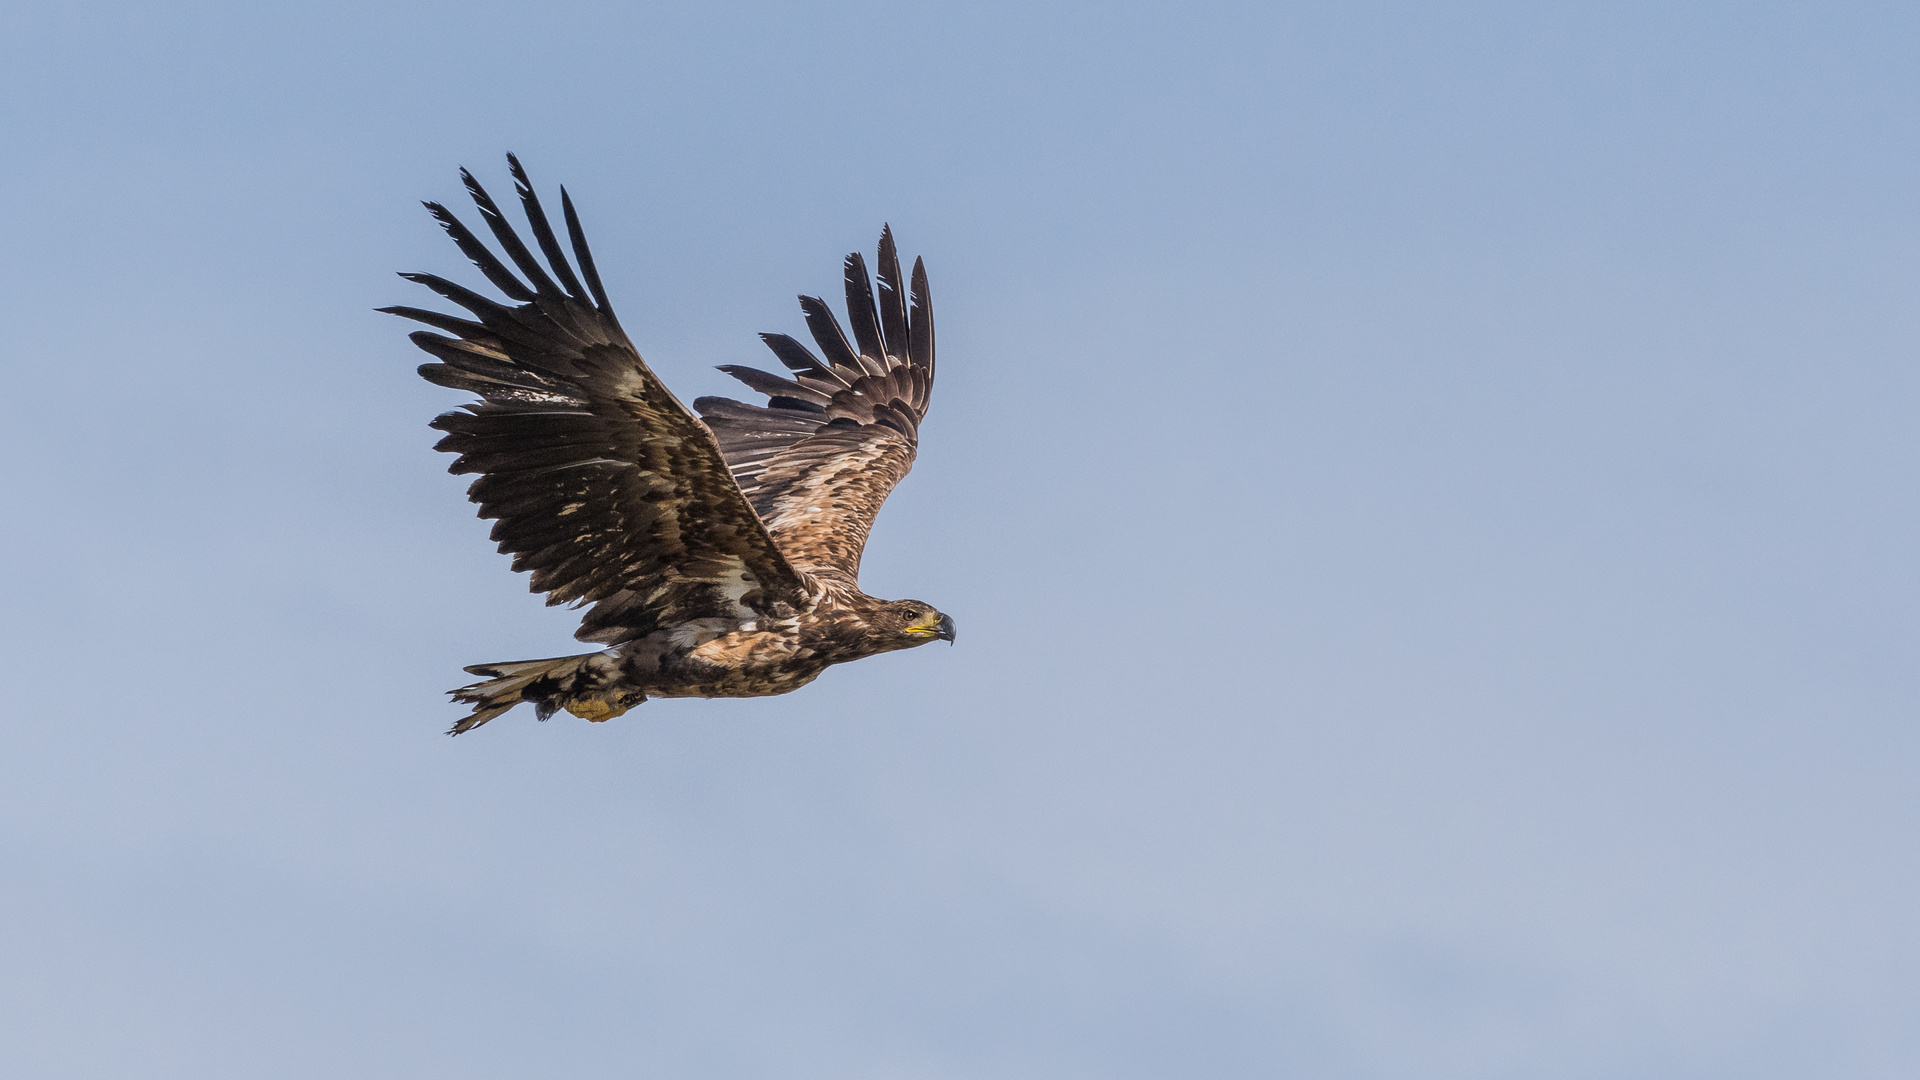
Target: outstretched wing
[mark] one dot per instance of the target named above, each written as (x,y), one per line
(820,457)
(602,484)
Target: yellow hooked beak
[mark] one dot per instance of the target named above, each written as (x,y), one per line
(936,626)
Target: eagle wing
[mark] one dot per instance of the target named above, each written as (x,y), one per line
(832,441)
(600,482)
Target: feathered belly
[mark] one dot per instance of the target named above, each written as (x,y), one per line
(756,663)
(759,683)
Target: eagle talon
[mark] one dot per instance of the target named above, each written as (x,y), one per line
(595,710)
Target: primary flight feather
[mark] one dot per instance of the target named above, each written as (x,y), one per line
(720,553)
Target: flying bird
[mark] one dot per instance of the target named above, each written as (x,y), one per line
(720,553)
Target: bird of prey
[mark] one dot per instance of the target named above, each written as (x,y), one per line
(720,553)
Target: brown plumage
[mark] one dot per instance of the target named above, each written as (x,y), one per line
(720,554)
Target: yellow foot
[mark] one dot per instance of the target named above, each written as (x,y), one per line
(595,709)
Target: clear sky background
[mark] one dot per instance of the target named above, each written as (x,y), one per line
(1427,493)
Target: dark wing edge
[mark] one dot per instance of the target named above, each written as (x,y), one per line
(836,434)
(600,482)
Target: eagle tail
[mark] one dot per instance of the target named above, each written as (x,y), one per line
(587,686)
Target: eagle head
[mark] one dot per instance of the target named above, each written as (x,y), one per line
(913,623)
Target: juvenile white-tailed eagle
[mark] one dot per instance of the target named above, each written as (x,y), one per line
(720,553)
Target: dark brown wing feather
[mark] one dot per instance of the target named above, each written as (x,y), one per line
(832,441)
(602,484)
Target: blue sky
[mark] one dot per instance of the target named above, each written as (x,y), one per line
(1426,492)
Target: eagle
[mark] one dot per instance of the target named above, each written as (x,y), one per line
(719,552)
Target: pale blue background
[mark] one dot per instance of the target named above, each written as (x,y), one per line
(1427,492)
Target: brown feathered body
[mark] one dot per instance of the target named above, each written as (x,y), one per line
(719,553)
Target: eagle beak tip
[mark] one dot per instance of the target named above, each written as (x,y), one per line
(945,630)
